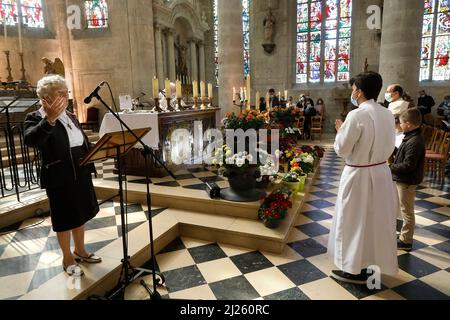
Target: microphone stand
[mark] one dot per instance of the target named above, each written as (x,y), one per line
(146,152)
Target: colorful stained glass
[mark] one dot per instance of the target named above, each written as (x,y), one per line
(96,14)
(246,29)
(8,12)
(216,40)
(331,18)
(32,13)
(434,55)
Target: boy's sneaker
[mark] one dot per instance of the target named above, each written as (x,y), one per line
(404,246)
(350,278)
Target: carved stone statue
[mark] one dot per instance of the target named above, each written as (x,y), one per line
(269,27)
(182,70)
(269,31)
(56,67)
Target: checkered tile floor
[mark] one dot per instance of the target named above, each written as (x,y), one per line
(201,270)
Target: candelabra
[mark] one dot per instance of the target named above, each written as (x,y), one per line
(195,103)
(157,107)
(179,106)
(23,67)
(8,67)
(203,106)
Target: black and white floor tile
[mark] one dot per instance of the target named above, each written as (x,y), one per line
(196,269)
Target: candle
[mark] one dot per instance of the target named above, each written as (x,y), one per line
(268,102)
(241,94)
(155,88)
(279,95)
(286,95)
(5,32)
(234,94)
(19,29)
(257,100)
(195,89)
(168,89)
(210,91)
(179,93)
(248,92)
(202,89)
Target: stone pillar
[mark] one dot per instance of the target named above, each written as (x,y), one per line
(171,54)
(159,55)
(231,46)
(194,64)
(400,45)
(202,62)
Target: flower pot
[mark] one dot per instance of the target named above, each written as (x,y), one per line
(294,186)
(302,182)
(272,224)
(242,185)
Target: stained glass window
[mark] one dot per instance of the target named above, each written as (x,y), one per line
(216,40)
(323,40)
(246,30)
(31,11)
(96,14)
(434,54)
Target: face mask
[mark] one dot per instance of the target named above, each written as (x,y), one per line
(388,97)
(354,101)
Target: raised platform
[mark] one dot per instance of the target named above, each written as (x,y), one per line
(190,214)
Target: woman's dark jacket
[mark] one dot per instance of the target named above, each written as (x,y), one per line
(409,163)
(57,165)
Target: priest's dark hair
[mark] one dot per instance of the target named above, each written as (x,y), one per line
(368,82)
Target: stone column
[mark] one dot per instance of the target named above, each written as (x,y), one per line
(231,46)
(194,64)
(159,55)
(202,62)
(171,54)
(400,45)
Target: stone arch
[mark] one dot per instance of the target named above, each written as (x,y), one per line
(182,9)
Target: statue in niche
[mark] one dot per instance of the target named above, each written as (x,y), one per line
(366,66)
(182,70)
(56,67)
(269,31)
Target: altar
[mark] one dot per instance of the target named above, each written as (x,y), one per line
(162,125)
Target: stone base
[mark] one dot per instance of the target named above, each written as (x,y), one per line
(269,47)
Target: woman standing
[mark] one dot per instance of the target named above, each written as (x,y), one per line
(62,143)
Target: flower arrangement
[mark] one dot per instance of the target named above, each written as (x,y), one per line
(229,159)
(285,120)
(275,206)
(304,161)
(247,119)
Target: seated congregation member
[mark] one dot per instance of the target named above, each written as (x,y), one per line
(62,143)
(274,101)
(363,233)
(408,172)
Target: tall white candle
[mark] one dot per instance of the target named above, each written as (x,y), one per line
(19,29)
(155,88)
(5,31)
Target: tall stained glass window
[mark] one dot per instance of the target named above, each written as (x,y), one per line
(246,29)
(434,56)
(246,34)
(31,11)
(323,40)
(216,40)
(96,14)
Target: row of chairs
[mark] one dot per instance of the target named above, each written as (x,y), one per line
(315,129)
(438,147)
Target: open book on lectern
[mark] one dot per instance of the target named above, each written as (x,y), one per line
(107,146)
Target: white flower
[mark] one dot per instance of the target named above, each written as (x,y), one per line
(229,153)
(250,158)
(240,162)
(277,153)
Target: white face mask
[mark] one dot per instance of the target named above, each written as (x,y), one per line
(354,101)
(388,97)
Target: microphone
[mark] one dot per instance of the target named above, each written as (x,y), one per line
(94,93)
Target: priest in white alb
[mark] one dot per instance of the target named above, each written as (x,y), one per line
(363,235)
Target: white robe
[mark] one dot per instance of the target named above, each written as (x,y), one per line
(364,225)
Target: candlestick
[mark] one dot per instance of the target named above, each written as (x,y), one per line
(195,89)
(169,103)
(157,107)
(179,106)
(9,78)
(279,95)
(155,88)
(23,67)
(202,90)
(286,95)
(268,106)
(195,103)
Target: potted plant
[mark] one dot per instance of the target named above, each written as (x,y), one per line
(275,207)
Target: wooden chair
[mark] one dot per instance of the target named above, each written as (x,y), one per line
(301,126)
(435,161)
(316,126)
(91,119)
(436,143)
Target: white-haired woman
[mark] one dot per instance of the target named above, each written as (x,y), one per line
(62,143)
